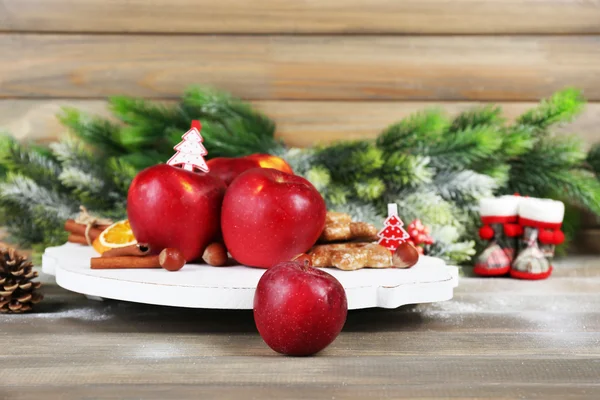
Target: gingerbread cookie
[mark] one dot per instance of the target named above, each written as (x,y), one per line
(340,228)
(351,256)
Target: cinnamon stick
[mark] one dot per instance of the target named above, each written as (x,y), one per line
(139,249)
(79,229)
(124,262)
(80,239)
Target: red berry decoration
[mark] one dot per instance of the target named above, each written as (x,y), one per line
(419,235)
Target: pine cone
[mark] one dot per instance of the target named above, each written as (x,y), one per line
(17,291)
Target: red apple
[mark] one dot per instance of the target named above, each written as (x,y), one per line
(229,168)
(171,207)
(269,216)
(299,310)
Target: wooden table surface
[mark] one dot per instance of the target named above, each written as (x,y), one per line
(498,338)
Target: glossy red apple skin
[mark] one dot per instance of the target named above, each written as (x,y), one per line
(299,310)
(269,216)
(229,168)
(171,207)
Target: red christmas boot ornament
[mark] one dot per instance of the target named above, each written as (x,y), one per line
(500,228)
(541,220)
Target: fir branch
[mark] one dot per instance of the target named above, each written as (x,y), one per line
(232,122)
(480,116)
(554,169)
(580,186)
(74,153)
(319,176)
(464,188)
(26,193)
(146,122)
(350,161)
(545,166)
(20,225)
(405,170)
(498,171)
(32,213)
(122,174)
(90,178)
(29,162)
(593,159)
(89,190)
(300,160)
(516,141)
(427,205)
(370,189)
(98,132)
(447,245)
(412,132)
(465,148)
(360,211)
(563,106)
(336,195)
(455,253)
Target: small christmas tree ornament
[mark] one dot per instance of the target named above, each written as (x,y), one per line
(17,291)
(499,217)
(541,220)
(190,151)
(393,232)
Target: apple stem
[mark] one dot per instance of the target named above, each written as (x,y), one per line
(304,260)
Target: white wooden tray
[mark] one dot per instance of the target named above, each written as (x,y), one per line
(203,286)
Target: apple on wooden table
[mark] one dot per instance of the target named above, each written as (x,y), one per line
(299,310)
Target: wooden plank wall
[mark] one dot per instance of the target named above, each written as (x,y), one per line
(324,70)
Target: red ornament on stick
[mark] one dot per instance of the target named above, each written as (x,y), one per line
(190,151)
(393,232)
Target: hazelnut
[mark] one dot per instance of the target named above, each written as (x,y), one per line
(171,259)
(405,256)
(215,254)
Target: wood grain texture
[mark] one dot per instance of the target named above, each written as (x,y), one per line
(497,339)
(280,16)
(506,68)
(300,391)
(299,123)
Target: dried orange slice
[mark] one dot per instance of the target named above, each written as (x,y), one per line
(117,235)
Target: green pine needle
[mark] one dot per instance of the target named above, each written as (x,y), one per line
(370,189)
(319,176)
(336,195)
(414,131)
(350,161)
(404,170)
(563,106)
(465,148)
(593,159)
(464,187)
(516,141)
(98,132)
(29,162)
(480,116)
